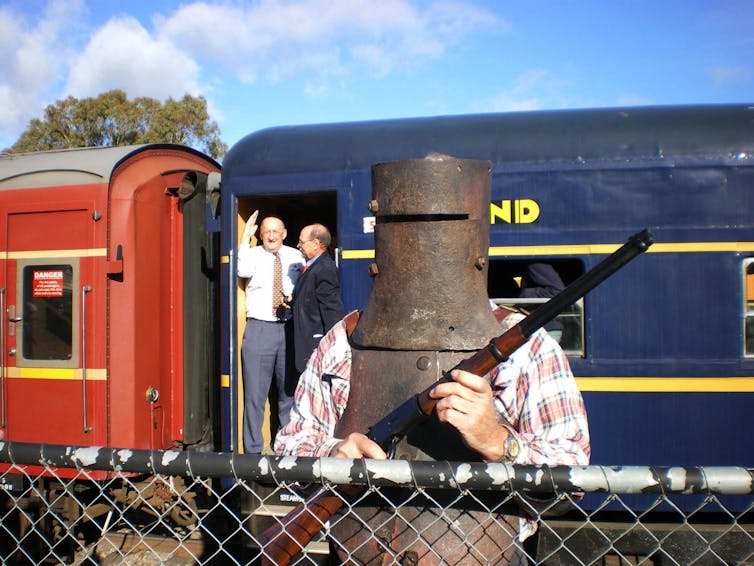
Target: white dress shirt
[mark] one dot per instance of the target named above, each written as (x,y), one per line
(256,264)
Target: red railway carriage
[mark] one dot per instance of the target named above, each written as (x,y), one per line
(106,282)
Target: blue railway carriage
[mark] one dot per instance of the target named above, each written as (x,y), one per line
(663,351)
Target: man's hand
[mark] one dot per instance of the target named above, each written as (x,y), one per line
(250,229)
(466,404)
(356,446)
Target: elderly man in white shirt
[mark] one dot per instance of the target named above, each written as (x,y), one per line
(271,271)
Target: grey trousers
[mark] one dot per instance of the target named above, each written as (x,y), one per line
(266,352)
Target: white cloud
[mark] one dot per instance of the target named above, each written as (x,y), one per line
(632,99)
(32,61)
(726,75)
(274,40)
(540,89)
(122,54)
(320,43)
(533,90)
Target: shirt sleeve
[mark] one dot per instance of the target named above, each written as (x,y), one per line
(537,394)
(245,263)
(320,399)
(328,299)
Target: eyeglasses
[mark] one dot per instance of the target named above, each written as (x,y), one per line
(302,242)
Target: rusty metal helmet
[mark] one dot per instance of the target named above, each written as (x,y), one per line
(429,289)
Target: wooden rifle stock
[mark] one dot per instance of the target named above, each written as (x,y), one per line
(282,542)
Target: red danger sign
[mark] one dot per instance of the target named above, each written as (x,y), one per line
(47,283)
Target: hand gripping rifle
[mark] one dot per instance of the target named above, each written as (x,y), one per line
(285,540)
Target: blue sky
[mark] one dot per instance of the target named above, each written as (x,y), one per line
(273,62)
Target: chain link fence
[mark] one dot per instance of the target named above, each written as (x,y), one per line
(83,505)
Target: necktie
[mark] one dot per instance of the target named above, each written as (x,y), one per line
(277,285)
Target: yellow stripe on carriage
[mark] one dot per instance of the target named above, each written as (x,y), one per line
(47,254)
(92,374)
(591,249)
(667,384)
(594,249)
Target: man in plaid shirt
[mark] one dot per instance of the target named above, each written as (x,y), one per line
(533,403)
(528,410)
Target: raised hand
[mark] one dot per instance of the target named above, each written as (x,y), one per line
(250,229)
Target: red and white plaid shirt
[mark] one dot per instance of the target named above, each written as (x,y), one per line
(534,391)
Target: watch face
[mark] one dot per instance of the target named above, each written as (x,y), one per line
(511,448)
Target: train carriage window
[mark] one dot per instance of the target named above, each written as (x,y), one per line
(749,307)
(527,283)
(47,312)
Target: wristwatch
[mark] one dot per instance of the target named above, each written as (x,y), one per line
(511,449)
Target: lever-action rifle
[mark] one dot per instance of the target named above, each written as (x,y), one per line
(285,540)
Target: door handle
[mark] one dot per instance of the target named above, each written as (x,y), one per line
(84,290)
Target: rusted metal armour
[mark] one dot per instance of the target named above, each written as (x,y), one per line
(428,309)
(431,243)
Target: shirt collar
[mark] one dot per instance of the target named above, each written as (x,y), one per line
(309,262)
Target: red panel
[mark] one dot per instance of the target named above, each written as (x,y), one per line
(42,227)
(147,340)
(50,411)
(136,308)
(53,230)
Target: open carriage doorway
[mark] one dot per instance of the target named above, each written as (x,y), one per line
(296,211)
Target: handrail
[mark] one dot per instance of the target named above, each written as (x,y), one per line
(3,405)
(232,365)
(84,290)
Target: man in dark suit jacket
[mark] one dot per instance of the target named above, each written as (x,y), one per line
(317,305)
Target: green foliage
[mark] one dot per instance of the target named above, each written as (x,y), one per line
(111,119)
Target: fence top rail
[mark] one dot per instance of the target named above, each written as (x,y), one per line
(732,480)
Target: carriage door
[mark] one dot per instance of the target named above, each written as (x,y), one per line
(52,391)
(297,210)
